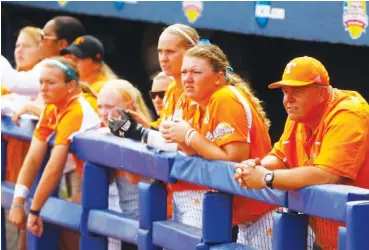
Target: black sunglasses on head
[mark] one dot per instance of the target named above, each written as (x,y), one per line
(153,94)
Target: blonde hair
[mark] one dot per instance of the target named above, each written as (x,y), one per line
(219,62)
(106,71)
(189,34)
(35,35)
(127,89)
(67,62)
(162,76)
(33,32)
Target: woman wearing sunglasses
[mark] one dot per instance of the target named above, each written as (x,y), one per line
(159,86)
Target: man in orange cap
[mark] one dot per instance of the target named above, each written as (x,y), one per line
(325,139)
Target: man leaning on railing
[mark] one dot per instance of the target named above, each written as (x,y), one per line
(326,132)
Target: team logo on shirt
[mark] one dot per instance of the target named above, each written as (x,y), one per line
(222,131)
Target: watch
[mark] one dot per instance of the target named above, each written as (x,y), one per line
(268,178)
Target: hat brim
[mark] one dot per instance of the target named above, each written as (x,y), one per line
(72,50)
(290,83)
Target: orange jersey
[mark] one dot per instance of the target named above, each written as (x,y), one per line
(339,145)
(4,91)
(230,117)
(171,97)
(98,84)
(77,116)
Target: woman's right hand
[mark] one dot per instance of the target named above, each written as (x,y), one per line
(17,216)
(139,119)
(16,116)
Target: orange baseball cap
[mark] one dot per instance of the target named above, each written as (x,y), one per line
(302,71)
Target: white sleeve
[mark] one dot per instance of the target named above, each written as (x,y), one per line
(22,82)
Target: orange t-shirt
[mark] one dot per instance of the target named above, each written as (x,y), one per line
(230,117)
(4,91)
(75,117)
(339,145)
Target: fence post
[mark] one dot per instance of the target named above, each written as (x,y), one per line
(217,218)
(342,238)
(4,144)
(289,231)
(153,207)
(95,191)
(357,225)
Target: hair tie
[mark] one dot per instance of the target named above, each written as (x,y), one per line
(229,69)
(61,66)
(204,42)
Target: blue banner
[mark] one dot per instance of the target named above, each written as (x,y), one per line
(334,22)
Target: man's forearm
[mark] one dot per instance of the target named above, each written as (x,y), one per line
(272,162)
(292,179)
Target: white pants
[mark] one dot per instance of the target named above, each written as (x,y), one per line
(114,244)
(187,207)
(259,233)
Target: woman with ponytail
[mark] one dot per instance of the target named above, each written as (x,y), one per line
(229,124)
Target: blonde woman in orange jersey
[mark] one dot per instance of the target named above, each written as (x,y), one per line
(229,125)
(65,114)
(173,43)
(123,190)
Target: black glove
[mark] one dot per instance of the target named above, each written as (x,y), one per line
(123,125)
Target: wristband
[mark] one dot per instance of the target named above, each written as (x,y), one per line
(17,206)
(20,191)
(189,134)
(34,212)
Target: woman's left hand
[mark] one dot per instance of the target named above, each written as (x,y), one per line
(174,131)
(35,225)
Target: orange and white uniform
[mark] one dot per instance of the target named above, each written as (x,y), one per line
(229,117)
(75,117)
(97,85)
(339,145)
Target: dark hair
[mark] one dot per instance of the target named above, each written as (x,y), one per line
(68,28)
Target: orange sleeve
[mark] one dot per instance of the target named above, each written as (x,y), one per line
(279,148)
(45,126)
(156,124)
(227,120)
(69,124)
(344,145)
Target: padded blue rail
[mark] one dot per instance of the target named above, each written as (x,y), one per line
(23,132)
(113,224)
(219,175)
(173,235)
(123,154)
(326,201)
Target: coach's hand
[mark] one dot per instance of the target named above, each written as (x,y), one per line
(250,174)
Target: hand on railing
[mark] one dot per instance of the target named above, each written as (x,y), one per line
(35,224)
(250,174)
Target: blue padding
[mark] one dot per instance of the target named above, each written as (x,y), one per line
(341,238)
(231,246)
(153,203)
(219,175)
(289,231)
(173,235)
(7,193)
(123,154)
(113,224)
(4,144)
(62,212)
(357,225)
(144,240)
(217,218)
(23,132)
(326,201)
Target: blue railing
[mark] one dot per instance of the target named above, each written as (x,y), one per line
(152,229)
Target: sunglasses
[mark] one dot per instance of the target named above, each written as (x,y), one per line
(46,37)
(153,94)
